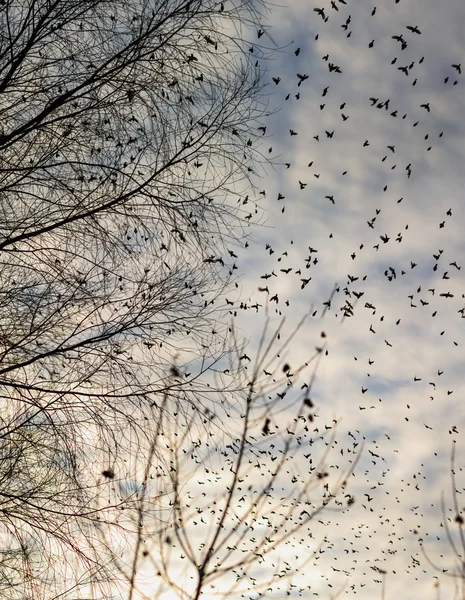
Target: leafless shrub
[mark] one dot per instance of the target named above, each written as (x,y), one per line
(234,501)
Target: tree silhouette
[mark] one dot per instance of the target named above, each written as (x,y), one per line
(452,521)
(126,139)
(234,493)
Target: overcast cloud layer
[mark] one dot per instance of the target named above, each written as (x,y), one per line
(395,369)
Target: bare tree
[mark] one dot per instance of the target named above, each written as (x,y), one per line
(107,112)
(127,141)
(452,522)
(451,566)
(240,507)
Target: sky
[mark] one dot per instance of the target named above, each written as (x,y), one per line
(375,187)
(364,205)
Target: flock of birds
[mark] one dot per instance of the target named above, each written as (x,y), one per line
(385,492)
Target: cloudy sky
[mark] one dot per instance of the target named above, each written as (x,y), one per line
(375,187)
